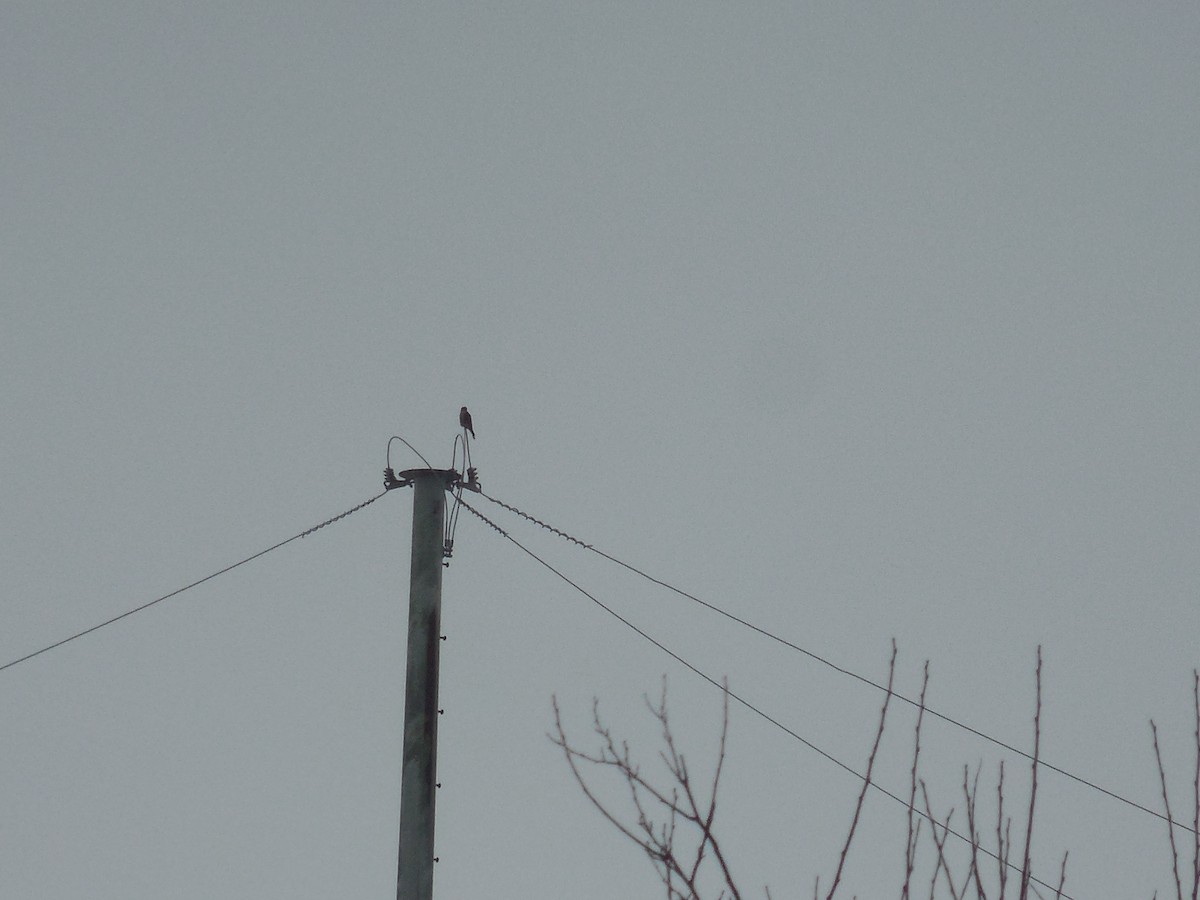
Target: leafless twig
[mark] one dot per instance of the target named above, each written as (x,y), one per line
(837,876)
(658,813)
(914,824)
(1026,872)
(1196,792)
(1162,776)
(940,843)
(1062,875)
(1003,833)
(674,825)
(971,793)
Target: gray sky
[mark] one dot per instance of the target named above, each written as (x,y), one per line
(862,322)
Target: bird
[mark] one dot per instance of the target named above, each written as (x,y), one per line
(464,419)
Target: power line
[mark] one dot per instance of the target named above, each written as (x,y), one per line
(174,593)
(396,437)
(750,706)
(865,680)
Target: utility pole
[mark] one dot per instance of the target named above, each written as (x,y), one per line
(418,782)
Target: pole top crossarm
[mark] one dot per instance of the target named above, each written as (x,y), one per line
(449,477)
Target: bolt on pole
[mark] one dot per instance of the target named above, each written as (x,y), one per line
(418,782)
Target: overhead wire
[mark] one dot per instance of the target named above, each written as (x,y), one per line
(396,437)
(455,491)
(844,671)
(177,592)
(746,703)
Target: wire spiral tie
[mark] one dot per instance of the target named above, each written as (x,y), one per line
(536,521)
(485,519)
(342,515)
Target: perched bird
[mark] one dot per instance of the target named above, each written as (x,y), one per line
(464,419)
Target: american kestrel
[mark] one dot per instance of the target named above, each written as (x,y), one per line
(464,419)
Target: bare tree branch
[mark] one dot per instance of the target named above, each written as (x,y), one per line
(1037,735)
(1003,833)
(1062,876)
(701,817)
(1162,776)
(941,865)
(1196,793)
(674,825)
(914,827)
(655,827)
(867,780)
(571,755)
(972,831)
(657,846)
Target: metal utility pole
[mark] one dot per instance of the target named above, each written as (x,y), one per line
(418,782)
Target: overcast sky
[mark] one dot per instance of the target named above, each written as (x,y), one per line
(860,320)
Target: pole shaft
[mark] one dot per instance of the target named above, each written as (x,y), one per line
(419,773)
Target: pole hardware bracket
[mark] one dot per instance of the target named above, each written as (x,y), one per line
(390,480)
(448,477)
